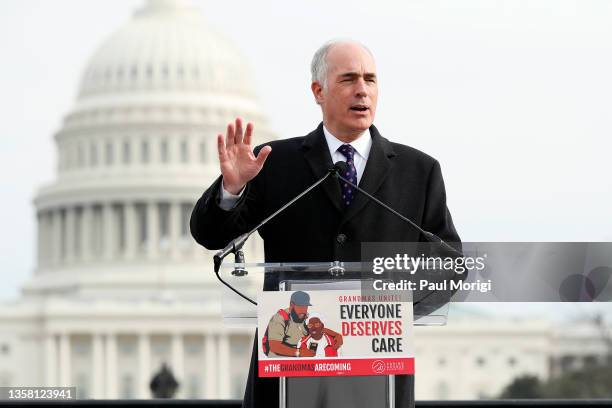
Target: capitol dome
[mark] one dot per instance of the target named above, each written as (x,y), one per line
(137,150)
(167,45)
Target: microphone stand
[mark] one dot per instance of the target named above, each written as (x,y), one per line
(235,246)
(431,237)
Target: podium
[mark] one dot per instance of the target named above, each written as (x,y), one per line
(316,392)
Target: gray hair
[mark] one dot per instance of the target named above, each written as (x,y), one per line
(318,66)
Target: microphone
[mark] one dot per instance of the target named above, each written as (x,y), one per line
(342,168)
(235,246)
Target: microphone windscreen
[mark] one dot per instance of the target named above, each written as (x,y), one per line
(341,167)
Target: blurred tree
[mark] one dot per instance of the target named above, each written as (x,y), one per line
(527,386)
(589,382)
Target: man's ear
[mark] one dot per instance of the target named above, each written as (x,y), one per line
(317,91)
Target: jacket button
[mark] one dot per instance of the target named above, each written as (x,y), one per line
(341,239)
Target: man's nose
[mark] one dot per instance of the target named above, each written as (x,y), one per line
(361,88)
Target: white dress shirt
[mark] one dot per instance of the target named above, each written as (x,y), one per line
(362,146)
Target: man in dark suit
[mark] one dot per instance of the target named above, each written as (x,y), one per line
(332,221)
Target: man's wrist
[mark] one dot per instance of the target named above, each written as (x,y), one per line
(233,190)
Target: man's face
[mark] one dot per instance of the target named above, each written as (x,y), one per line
(349,101)
(315,328)
(299,311)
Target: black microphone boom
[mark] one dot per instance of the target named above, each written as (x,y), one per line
(431,237)
(237,243)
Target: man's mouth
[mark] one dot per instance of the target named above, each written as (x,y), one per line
(359,108)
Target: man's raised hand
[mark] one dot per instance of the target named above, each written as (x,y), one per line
(236,159)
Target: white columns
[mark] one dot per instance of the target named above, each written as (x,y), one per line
(70,237)
(45,238)
(111,366)
(224,366)
(56,240)
(175,228)
(50,350)
(152,230)
(178,361)
(131,236)
(210,363)
(144,366)
(97,366)
(65,379)
(108,231)
(86,232)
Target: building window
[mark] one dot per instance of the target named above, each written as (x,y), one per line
(93,155)
(80,156)
(512,362)
(238,383)
(127,347)
(81,348)
(480,361)
(110,154)
(63,240)
(194,386)
(141,217)
(5,349)
(164,153)
(185,216)
(82,385)
(144,151)
(126,152)
(164,225)
(78,221)
(202,152)
(96,230)
(441,361)
(184,151)
(127,386)
(193,348)
(119,211)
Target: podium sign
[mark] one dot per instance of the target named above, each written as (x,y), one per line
(376,334)
(338,389)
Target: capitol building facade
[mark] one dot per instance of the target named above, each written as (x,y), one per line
(120,287)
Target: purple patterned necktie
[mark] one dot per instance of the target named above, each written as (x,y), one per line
(348,192)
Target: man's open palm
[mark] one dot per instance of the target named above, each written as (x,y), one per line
(238,163)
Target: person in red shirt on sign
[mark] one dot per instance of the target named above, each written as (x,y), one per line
(316,340)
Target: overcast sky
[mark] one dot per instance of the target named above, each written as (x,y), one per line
(513,97)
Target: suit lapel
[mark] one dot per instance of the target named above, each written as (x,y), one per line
(374,174)
(318,157)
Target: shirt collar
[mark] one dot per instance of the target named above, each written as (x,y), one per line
(361,145)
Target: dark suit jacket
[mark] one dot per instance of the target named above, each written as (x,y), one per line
(317,228)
